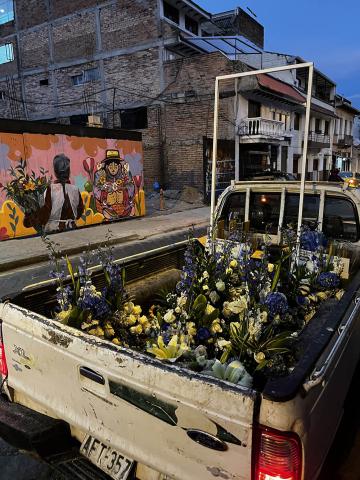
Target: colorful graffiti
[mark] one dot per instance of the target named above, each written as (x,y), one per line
(105,182)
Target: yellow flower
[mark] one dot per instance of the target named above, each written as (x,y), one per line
(29,186)
(137,310)
(215,327)
(131,319)
(270,267)
(116,341)
(172,351)
(108,330)
(209,309)
(233,263)
(191,329)
(128,307)
(63,316)
(102,180)
(259,357)
(143,320)
(136,330)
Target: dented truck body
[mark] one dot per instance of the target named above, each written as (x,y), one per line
(181,424)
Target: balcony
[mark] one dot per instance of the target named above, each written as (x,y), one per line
(254,130)
(343,140)
(318,140)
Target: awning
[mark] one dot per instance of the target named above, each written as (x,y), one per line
(279,87)
(324,111)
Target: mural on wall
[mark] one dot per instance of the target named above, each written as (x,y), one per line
(56,182)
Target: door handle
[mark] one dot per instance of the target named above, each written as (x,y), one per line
(91,375)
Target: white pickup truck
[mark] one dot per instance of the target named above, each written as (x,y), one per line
(68,395)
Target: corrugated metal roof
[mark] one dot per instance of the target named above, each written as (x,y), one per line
(278,86)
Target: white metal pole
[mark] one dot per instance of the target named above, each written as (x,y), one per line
(237,145)
(305,149)
(214,153)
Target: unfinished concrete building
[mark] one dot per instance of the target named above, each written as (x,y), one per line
(147,65)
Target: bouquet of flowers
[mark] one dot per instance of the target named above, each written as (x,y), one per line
(27,191)
(235,314)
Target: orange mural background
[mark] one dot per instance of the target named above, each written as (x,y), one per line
(39,150)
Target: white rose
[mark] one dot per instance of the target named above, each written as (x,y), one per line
(220,286)
(169,316)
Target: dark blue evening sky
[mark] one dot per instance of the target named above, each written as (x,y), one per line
(324,31)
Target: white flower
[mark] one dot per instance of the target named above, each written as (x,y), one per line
(214,297)
(220,286)
(235,308)
(169,316)
(205,275)
(181,301)
(222,343)
(310,266)
(177,310)
(205,287)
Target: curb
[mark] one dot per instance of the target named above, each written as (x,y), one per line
(43,257)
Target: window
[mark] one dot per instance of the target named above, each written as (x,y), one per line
(6,11)
(310,210)
(6,53)
(274,115)
(90,75)
(296,121)
(264,212)
(134,118)
(79,120)
(317,125)
(315,164)
(296,158)
(232,215)
(44,82)
(340,219)
(171,13)
(346,128)
(191,25)
(254,109)
(327,126)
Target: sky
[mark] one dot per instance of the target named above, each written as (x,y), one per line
(323,31)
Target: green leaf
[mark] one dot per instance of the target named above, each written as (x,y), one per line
(213,316)
(71,271)
(107,278)
(13,227)
(123,276)
(199,304)
(276,276)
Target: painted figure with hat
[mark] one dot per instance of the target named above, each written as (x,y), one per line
(114,188)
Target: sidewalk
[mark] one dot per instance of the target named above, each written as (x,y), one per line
(28,251)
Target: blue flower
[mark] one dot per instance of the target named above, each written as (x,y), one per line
(203,334)
(276,303)
(301,300)
(328,280)
(312,240)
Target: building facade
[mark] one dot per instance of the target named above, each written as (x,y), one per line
(344,157)
(113,63)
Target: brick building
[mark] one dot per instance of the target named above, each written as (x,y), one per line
(147,65)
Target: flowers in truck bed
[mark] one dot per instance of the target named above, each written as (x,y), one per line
(236,313)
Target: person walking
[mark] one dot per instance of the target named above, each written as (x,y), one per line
(63,204)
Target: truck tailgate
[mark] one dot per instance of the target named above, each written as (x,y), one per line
(152,412)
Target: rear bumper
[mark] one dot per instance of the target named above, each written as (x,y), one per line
(31,431)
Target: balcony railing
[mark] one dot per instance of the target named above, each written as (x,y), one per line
(344,140)
(261,127)
(319,140)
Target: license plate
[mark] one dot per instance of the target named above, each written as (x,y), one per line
(110,461)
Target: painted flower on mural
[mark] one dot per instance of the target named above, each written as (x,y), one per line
(91,146)
(35,142)
(3,234)
(26,190)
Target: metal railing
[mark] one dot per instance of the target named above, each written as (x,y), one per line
(319,138)
(261,126)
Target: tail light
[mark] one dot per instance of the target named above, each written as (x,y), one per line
(3,365)
(276,455)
